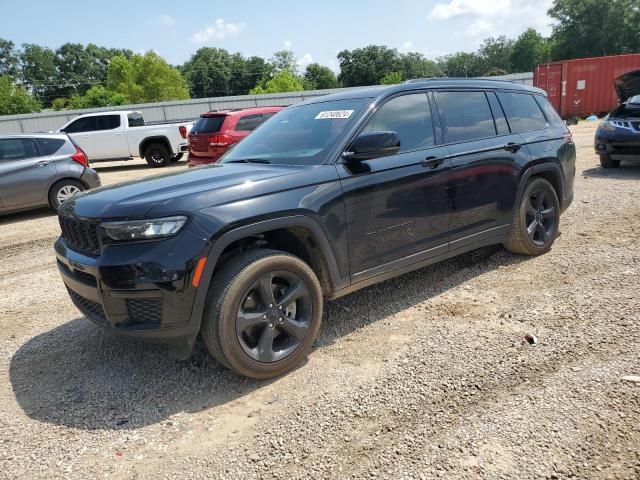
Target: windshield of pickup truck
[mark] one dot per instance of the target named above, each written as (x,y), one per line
(299,135)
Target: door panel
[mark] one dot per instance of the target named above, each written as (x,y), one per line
(24,181)
(104,137)
(395,207)
(484,183)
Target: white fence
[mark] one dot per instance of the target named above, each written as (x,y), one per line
(181,110)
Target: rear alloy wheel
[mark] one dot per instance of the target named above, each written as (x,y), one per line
(263,313)
(63,191)
(157,155)
(607,162)
(536,221)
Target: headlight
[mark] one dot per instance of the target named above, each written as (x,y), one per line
(607,126)
(144,229)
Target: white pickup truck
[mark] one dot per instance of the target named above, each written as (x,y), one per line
(121,135)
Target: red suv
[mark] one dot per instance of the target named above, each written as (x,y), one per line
(214,132)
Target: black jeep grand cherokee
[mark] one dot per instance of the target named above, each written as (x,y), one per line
(327,197)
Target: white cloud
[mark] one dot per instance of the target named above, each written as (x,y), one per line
(479,8)
(478,28)
(166,20)
(288,44)
(304,60)
(406,46)
(218,31)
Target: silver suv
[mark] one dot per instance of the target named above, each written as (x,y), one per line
(41,169)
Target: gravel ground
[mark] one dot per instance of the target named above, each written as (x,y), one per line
(424,376)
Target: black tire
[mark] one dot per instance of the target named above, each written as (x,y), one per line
(536,220)
(64,188)
(607,162)
(157,155)
(236,317)
(177,157)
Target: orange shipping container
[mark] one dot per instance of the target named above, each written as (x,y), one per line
(581,87)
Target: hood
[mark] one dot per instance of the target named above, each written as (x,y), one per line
(627,85)
(187,191)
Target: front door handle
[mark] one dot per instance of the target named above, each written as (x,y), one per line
(42,163)
(432,162)
(512,147)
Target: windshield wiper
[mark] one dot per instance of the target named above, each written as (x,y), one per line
(249,160)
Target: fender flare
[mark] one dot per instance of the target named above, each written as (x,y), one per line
(534,170)
(156,138)
(222,242)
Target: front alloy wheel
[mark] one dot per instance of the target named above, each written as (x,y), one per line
(263,313)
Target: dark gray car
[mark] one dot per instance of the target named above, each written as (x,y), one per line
(41,169)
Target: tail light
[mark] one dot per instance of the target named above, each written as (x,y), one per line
(80,157)
(568,138)
(220,140)
(183,131)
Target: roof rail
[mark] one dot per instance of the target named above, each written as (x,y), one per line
(444,79)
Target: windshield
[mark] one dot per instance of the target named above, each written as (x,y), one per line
(300,135)
(635,100)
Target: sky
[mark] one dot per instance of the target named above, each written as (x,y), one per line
(315,32)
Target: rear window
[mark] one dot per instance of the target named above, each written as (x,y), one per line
(107,122)
(552,116)
(467,116)
(208,124)
(523,112)
(49,146)
(135,119)
(17,149)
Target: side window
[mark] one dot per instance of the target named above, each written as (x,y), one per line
(410,117)
(498,114)
(86,124)
(552,116)
(249,123)
(135,119)
(467,116)
(107,122)
(17,149)
(523,113)
(49,146)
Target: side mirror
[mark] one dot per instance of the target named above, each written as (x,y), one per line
(370,145)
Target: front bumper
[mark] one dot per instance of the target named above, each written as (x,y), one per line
(141,290)
(619,144)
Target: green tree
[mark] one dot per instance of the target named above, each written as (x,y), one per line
(59,104)
(463,64)
(318,77)
(8,59)
(496,53)
(587,28)
(208,72)
(38,70)
(285,60)
(529,50)
(391,78)
(283,81)
(97,96)
(368,65)
(495,72)
(15,99)
(415,65)
(146,78)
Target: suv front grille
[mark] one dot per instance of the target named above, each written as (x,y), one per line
(80,235)
(147,310)
(87,307)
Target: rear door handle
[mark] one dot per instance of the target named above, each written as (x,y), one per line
(42,163)
(432,162)
(512,147)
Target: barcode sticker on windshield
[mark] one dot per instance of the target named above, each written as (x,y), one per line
(334,114)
